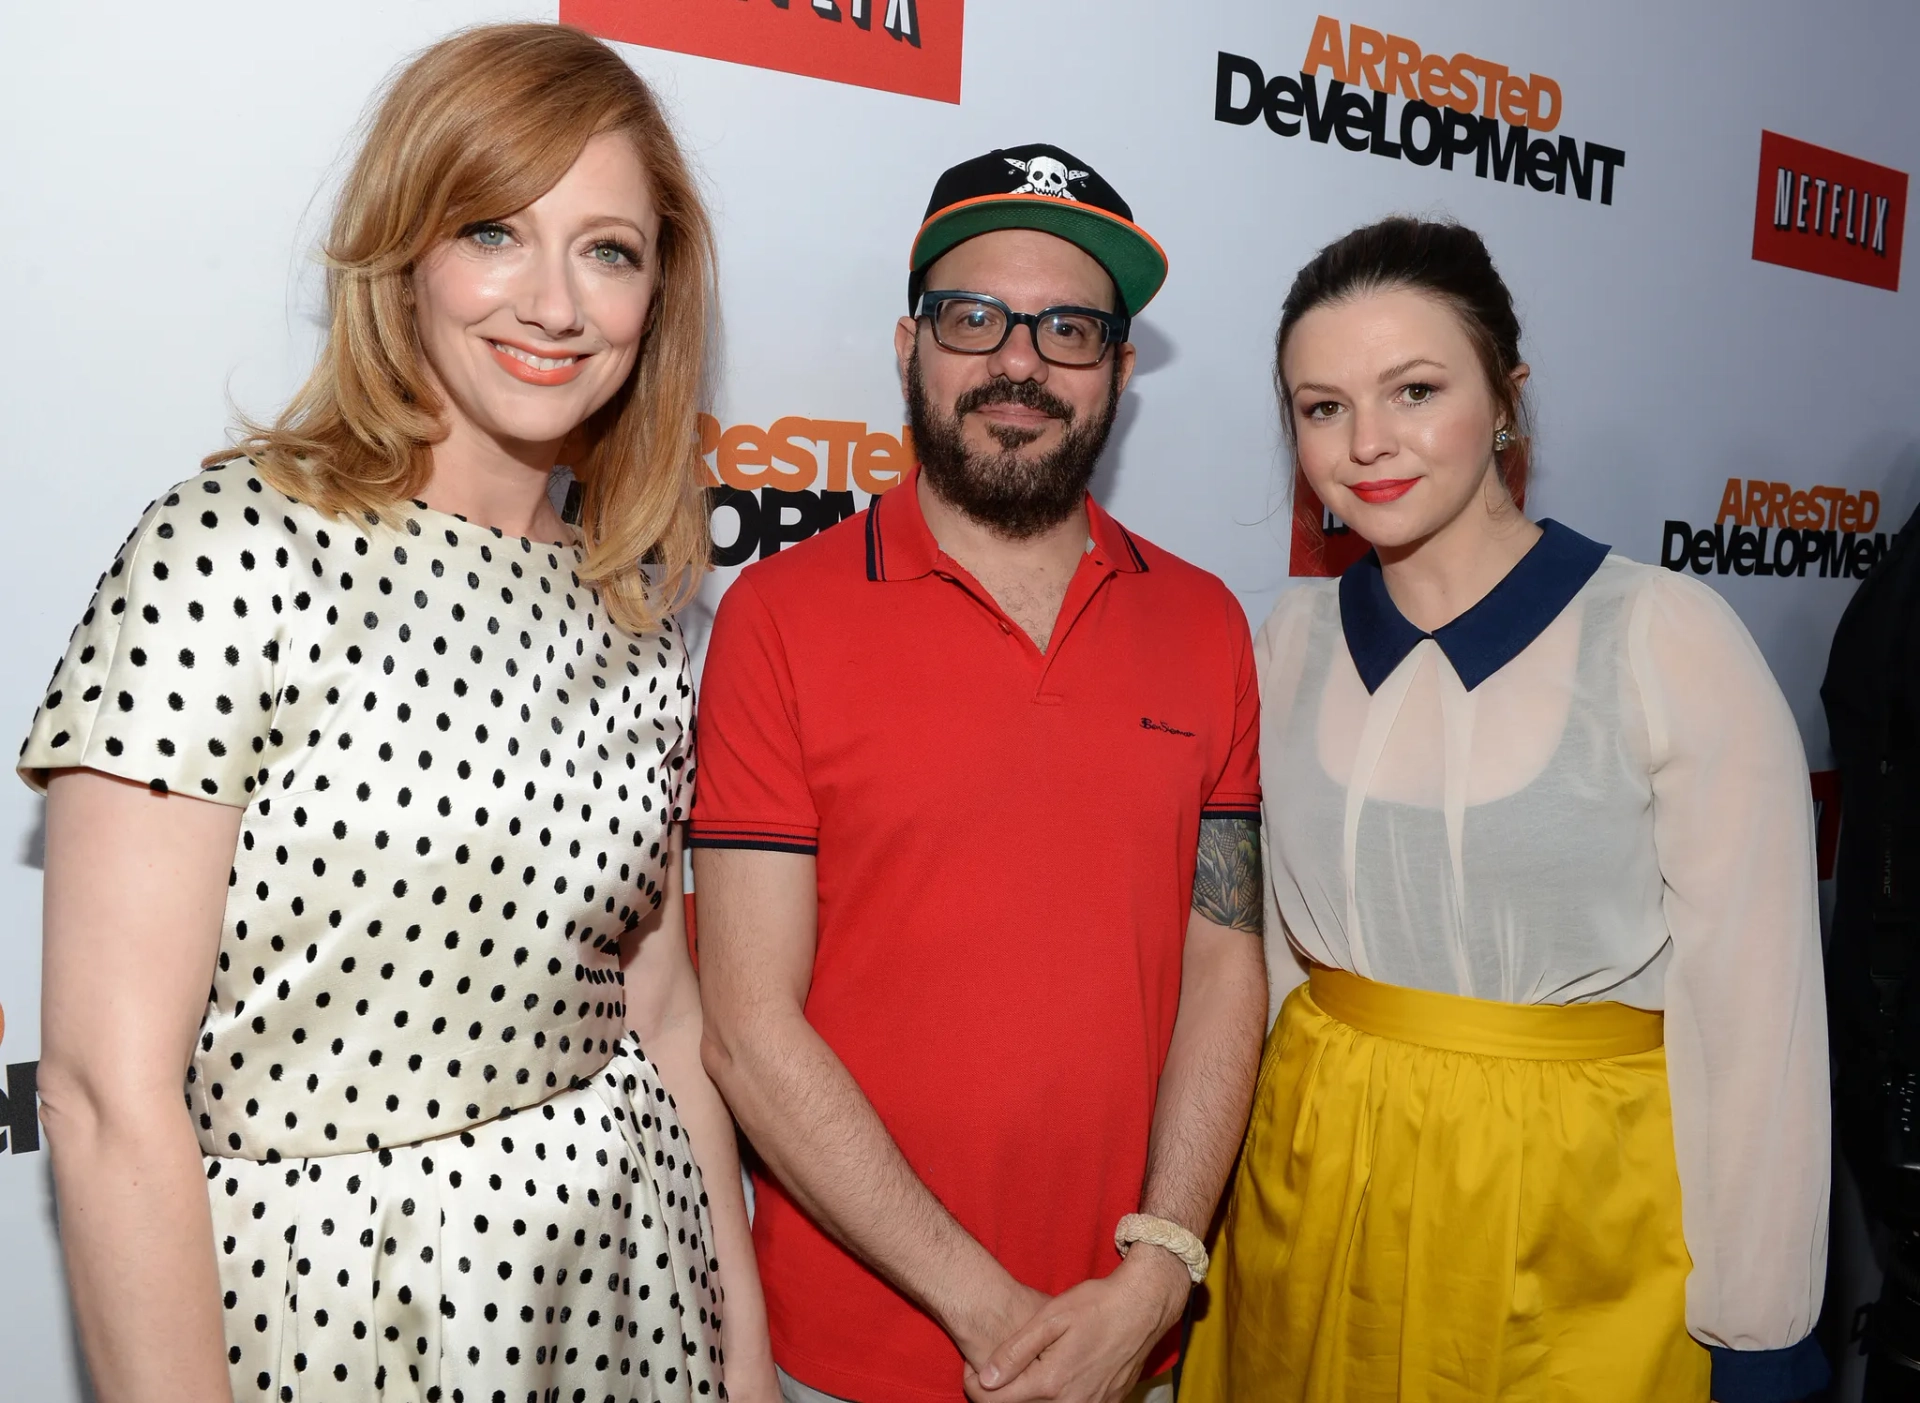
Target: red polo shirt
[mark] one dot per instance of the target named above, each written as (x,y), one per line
(1005,846)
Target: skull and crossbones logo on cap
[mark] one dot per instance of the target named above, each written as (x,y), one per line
(1046,176)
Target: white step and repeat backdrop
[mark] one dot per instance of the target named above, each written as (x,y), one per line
(1700,209)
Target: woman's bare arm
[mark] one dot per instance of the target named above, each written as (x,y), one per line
(136,884)
(663,1007)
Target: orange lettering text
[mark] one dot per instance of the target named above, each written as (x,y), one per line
(1325,50)
(1403,67)
(1365,48)
(1730,505)
(742,447)
(1543,113)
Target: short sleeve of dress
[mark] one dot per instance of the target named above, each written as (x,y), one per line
(172,677)
(753,782)
(1745,1013)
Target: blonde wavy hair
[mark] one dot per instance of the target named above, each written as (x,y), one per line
(476,128)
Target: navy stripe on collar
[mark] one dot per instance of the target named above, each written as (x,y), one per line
(875,568)
(1489,635)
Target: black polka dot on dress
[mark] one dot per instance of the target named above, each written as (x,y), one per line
(438,1168)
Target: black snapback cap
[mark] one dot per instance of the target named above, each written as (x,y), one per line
(1039,187)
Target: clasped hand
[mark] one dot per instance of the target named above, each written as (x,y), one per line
(1086,1345)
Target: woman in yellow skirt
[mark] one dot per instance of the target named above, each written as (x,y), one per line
(1547,1120)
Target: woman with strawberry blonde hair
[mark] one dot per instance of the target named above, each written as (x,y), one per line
(372,768)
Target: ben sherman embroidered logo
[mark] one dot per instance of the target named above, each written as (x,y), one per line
(1147,723)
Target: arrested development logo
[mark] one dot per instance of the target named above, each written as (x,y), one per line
(898,46)
(771,487)
(1775,529)
(1822,212)
(1380,94)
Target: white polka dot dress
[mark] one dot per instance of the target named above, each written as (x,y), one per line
(438,1170)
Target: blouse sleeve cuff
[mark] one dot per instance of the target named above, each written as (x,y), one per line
(1769,1375)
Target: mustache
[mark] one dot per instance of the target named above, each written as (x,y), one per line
(1024,393)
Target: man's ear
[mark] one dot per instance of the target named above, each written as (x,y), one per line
(1124,371)
(905,332)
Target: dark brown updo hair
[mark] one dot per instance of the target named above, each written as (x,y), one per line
(1446,261)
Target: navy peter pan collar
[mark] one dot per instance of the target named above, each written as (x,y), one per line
(1489,635)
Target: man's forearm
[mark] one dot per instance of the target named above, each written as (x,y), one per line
(1206,1086)
(1104,1330)
(815,1129)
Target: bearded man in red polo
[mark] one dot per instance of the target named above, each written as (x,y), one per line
(977,855)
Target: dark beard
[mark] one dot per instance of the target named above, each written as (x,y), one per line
(1016,497)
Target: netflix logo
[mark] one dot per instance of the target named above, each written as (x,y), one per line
(911,47)
(1827,213)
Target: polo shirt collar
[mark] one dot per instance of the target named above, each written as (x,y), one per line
(1488,636)
(900,545)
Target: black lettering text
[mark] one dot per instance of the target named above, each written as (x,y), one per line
(1420,152)
(20,1109)
(1378,119)
(1352,121)
(1283,106)
(1674,543)
(1543,161)
(1460,132)
(1610,159)
(1225,108)
(1320,115)
(1505,159)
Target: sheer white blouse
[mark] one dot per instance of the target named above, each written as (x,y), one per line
(1587,787)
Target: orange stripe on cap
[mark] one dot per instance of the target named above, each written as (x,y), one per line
(1050,200)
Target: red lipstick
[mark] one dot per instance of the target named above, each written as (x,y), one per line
(1387,489)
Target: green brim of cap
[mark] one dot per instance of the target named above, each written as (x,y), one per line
(1136,263)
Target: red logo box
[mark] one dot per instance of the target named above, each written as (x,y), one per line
(1824,212)
(897,46)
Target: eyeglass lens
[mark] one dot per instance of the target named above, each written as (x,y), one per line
(1066,338)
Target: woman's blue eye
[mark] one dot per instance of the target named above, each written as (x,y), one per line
(490,235)
(614,254)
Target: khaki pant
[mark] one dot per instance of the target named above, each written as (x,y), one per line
(1158,1389)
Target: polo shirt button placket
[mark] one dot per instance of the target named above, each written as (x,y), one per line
(1041,696)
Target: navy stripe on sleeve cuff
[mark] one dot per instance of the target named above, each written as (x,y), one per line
(1769,1375)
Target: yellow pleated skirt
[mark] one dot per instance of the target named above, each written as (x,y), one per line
(1447,1200)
